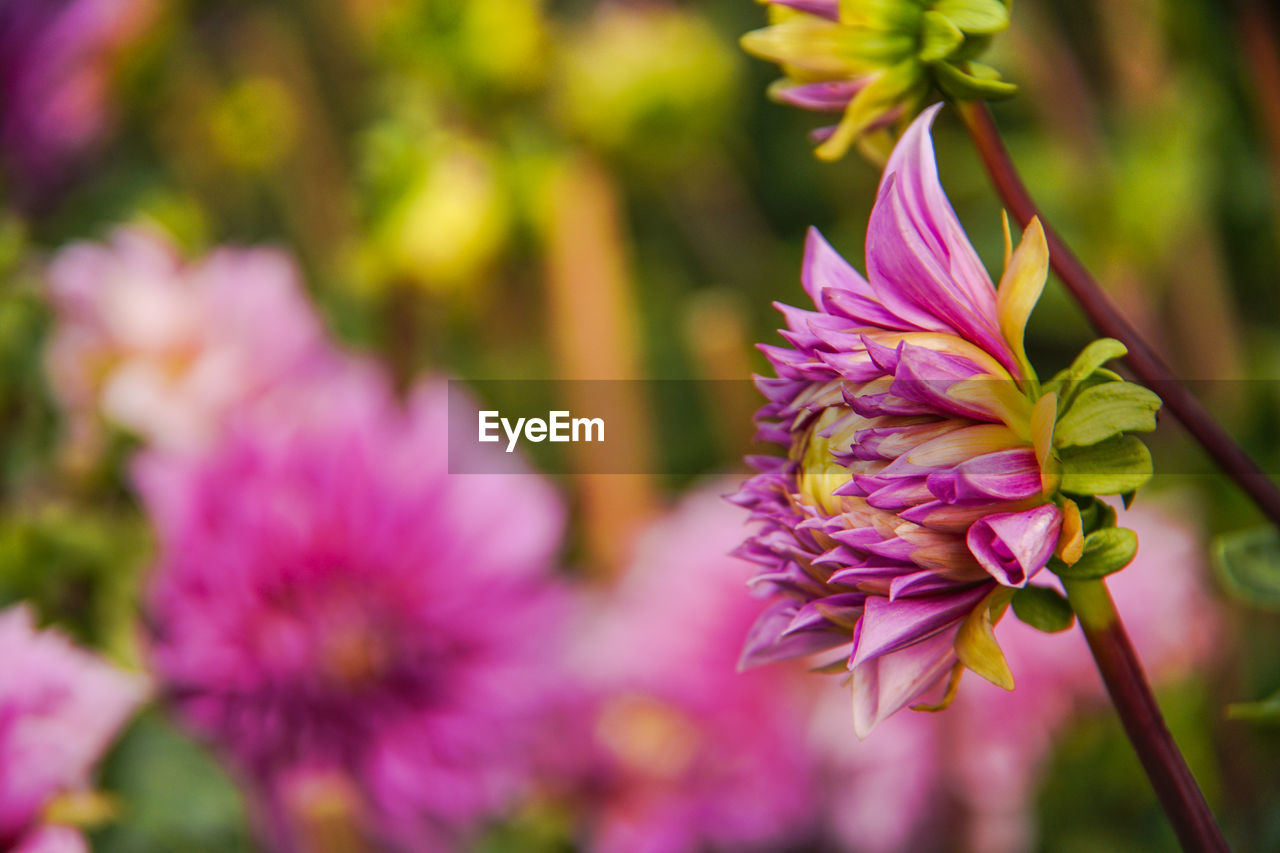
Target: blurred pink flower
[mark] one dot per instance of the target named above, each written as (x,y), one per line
(166,348)
(59,709)
(356,628)
(887,791)
(686,753)
(56,65)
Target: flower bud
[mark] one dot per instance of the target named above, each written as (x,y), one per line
(875,62)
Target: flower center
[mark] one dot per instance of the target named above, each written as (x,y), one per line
(820,474)
(355,656)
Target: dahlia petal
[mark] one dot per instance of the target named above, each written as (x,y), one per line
(888,626)
(875,574)
(854,366)
(953,448)
(828,96)
(864,310)
(841,610)
(919,227)
(830,281)
(777,389)
(884,685)
(1006,475)
(1013,546)
(829,9)
(892,549)
(892,442)
(885,357)
(926,376)
(952,518)
(901,494)
(858,537)
(766,644)
(919,583)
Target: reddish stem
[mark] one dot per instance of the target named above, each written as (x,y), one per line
(1146,365)
(1126,682)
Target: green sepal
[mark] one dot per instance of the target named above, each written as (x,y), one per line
(979,17)
(1117,465)
(976,645)
(1043,609)
(1104,410)
(1105,551)
(973,47)
(1248,565)
(939,38)
(975,82)
(1095,514)
(1066,382)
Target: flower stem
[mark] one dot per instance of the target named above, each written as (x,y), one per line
(1126,682)
(1149,368)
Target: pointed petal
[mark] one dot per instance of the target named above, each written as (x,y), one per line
(917,252)
(976,645)
(887,626)
(1007,475)
(1020,287)
(766,643)
(886,684)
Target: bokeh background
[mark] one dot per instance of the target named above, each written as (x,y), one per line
(527,190)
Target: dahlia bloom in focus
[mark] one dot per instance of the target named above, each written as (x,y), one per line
(928,470)
(684,754)
(361,633)
(60,707)
(56,64)
(875,62)
(166,348)
(886,793)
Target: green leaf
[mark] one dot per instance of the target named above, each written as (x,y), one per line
(1248,565)
(174,794)
(980,17)
(938,37)
(1105,410)
(1265,711)
(1105,551)
(1112,467)
(1043,608)
(1066,382)
(974,82)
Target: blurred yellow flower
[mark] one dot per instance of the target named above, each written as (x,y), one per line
(254,124)
(451,221)
(650,82)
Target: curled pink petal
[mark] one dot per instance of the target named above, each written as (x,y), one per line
(1013,546)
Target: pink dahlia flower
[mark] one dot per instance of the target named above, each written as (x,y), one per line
(59,709)
(56,64)
(167,348)
(685,754)
(885,792)
(361,632)
(921,485)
